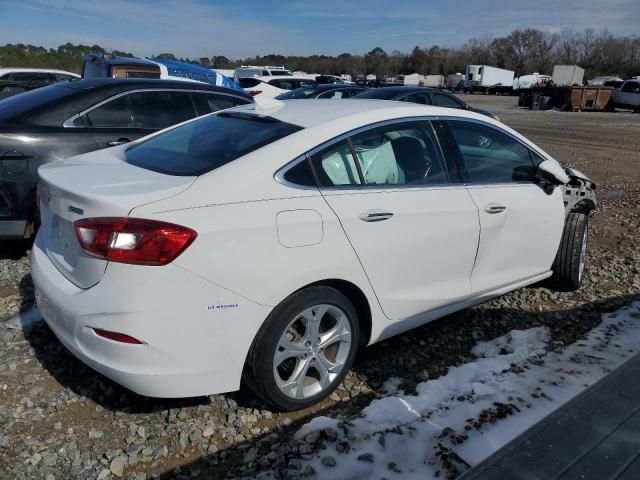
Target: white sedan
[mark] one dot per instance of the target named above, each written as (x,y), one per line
(271,243)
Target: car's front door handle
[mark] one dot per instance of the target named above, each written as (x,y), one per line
(494,208)
(120,141)
(375,216)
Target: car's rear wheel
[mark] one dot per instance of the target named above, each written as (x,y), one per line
(569,264)
(304,349)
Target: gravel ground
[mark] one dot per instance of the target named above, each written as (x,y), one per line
(59,419)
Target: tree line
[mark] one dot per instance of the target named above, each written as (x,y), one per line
(524,51)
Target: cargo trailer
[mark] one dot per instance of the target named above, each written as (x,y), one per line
(488,79)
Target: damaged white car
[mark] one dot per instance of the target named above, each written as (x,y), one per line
(271,244)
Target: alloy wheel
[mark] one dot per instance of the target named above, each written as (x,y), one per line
(312,351)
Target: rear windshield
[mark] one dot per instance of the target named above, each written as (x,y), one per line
(207,143)
(17,108)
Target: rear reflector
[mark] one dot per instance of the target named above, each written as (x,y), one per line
(133,240)
(116,337)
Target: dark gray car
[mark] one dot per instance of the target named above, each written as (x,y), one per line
(55,122)
(421,95)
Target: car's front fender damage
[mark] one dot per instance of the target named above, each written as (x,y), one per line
(579,194)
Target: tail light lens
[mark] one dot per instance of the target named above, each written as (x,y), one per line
(133,240)
(38,195)
(253,93)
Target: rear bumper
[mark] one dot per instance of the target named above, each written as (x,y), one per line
(189,349)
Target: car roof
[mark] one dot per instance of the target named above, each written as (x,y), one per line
(129,83)
(36,70)
(286,77)
(392,92)
(53,104)
(312,114)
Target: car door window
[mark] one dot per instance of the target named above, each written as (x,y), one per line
(404,154)
(212,102)
(335,94)
(421,98)
(32,77)
(160,109)
(115,113)
(491,156)
(449,101)
(336,166)
(631,87)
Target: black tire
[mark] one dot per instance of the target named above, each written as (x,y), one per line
(259,367)
(568,266)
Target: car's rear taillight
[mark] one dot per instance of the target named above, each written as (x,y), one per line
(253,93)
(133,240)
(38,195)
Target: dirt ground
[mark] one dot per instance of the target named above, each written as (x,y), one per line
(59,419)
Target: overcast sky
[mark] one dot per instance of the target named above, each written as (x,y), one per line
(243,28)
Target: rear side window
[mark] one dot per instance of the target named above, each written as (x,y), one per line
(403,154)
(248,82)
(336,166)
(116,113)
(212,102)
(491,156)
(421,98)
(207,143)
(157,110)
(449,101)
(300,174)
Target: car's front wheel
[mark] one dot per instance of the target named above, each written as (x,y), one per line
(569,264)
(304,349)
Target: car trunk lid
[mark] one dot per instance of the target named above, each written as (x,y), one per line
(73,190)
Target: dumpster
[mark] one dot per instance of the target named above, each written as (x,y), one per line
(595,98)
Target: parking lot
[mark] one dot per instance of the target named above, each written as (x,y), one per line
(60,419)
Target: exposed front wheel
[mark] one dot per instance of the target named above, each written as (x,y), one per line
(568,267)
(304,349)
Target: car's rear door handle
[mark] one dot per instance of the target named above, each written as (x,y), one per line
(375,216)
(494,208)
(121,141)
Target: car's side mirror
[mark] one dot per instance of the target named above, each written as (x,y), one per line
(550,174)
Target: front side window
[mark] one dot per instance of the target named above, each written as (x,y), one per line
(449,101)
(207,143)
(403,154)
(491,156)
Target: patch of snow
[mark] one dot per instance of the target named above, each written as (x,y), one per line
(477,407)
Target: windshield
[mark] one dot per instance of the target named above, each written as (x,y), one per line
(207,143)
(304,92)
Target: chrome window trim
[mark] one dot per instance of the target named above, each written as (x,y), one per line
(279,175)
(68,123)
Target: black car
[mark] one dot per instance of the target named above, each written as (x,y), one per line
(333,91)
(422,95)
(58,121)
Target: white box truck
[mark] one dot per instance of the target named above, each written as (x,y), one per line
(567,75)
(487,79)
(435,81)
